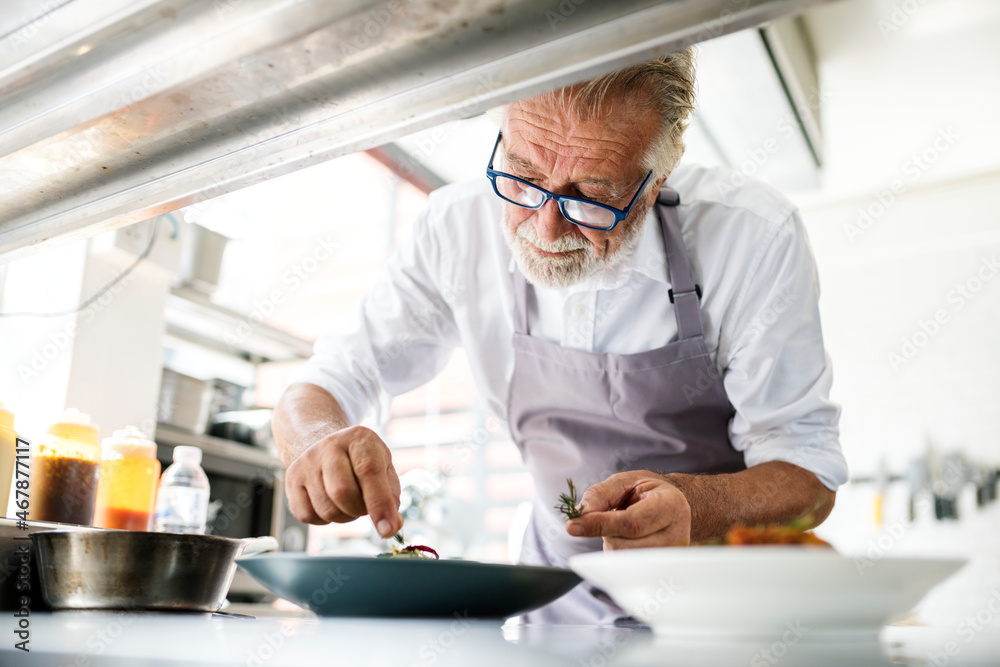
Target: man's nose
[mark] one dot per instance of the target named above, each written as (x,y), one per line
(550,225)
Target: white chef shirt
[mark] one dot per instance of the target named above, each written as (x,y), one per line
(450,284)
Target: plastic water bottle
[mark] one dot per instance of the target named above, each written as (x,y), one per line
(182,499)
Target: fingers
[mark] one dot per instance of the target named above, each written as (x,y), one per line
(311,505)
(674,535)
(394,483)
(374,472)
(638,520)
(394,486)
(330,499)
(651,512)
(610,493)
(340,486)
(299,503)
(342,477)
(310,498)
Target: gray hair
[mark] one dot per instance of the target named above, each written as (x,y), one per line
(666,85)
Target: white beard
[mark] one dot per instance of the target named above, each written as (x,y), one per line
(580,264)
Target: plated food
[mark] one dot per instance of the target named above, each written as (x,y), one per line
(772,534)
(409,551)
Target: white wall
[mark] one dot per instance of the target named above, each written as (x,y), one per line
(892,81)
(909,215)
(911,316)
(37,352)
(103,360)
(909,210)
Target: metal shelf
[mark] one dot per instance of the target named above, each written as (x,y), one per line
(237,457)
(193,316)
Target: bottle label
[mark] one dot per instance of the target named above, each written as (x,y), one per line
(181,509)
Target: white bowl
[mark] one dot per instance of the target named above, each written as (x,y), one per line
(760,590)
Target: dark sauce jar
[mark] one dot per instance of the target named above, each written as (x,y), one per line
(64,471)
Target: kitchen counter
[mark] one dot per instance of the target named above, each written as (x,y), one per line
(85,639)
(957,624)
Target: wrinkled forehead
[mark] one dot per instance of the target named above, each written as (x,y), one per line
(555,133)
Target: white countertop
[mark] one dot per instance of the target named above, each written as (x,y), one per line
(958,624)
(88,639)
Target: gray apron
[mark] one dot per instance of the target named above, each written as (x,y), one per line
(586,416)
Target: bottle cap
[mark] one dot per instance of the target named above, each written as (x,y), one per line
(129,440)
(73,416)
(75,425)
(186,454)
(6,417)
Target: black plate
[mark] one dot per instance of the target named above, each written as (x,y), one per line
(408,587)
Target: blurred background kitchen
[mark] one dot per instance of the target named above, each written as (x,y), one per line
(877,118)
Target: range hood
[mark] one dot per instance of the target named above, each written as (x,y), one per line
(113,111)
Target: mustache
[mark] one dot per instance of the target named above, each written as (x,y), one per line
(566,243)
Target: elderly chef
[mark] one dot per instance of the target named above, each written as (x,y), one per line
(646,328)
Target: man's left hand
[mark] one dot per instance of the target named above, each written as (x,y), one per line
(633,510)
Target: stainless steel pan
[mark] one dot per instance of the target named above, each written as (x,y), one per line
(18,571)
(134,570)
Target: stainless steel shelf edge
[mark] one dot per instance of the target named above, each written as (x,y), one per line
(219,328)
(218,447)
(293,84)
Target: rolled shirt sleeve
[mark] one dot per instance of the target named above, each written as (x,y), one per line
(401,336)
(776,371)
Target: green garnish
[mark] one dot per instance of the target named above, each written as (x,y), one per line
(569,505)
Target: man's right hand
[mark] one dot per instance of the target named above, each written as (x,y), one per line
(343,476)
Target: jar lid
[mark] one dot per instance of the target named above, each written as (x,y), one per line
(6,417)
(75,425)
(130,440)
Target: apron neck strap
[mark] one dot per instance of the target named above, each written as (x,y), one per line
(685,294)
(521,295)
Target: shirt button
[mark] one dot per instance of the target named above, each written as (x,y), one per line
(579,310)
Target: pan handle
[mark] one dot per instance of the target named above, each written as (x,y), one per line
(256,545)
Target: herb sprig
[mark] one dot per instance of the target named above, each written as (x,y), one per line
(569,506)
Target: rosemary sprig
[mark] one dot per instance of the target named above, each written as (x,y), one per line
(569,505)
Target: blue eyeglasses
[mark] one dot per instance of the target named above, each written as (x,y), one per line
(579,211)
